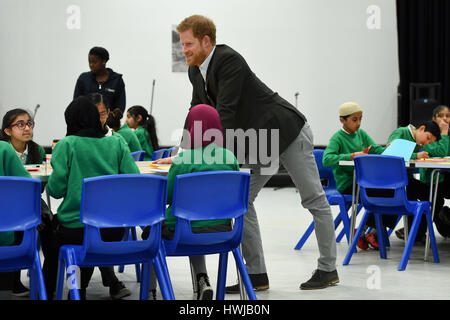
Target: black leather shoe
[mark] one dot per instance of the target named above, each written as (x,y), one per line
(260,282)
(320,280)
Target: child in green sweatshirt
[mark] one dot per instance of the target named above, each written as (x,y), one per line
(199,155)
(17,129)
(345,144)
(85,152)
(424,134)
(440,149)
(145,128)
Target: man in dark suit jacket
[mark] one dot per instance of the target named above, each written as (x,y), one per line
(221,78)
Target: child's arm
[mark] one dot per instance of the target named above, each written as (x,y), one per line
(333,155)
(59,179)
(372,147)
(438,148)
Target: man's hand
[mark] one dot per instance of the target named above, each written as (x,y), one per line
(164,161)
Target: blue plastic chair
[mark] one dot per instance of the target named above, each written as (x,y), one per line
(334,197)
(102,206)
(388,172)
(20,210)
(158,154)
(207,196)
(168,152)
(138,155)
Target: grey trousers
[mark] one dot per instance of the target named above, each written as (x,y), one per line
(298,160)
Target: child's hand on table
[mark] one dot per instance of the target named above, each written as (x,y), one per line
(422,155)
(164,161)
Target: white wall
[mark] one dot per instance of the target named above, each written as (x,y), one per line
(320,48)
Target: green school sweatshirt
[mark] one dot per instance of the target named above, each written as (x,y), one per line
(146,145)
(130,138)
(197,160)
(75,158)
(438,149)
(10,165)
(404,133)
(341,147)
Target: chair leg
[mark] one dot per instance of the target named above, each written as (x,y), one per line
(305,236)
(72,278)
(60,278)
(222,276)
(410,241)
(244,274)
(39,279)
(358,233)
(145,281)
(343,216)
(432,237)
(380,235)
(396,222)
(33,283)
(163,277)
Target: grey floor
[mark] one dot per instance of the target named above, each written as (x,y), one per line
(283,221)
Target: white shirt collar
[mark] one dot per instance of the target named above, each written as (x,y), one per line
(23,155)
(346,131)
(411,128)
(109,133)
(204,66)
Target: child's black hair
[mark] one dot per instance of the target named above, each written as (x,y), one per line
(34,156)
(439,109)
(113,120)
(148,122)
(100,52)
(431,127)
(97,98)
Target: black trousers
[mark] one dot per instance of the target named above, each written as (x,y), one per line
(75,236)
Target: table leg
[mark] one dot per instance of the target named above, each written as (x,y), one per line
(355,197)
(433,196)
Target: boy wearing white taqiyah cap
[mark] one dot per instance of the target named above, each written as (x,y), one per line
(345,144)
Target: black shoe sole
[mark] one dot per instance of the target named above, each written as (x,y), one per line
(206,295)
(235,289)
(330,283)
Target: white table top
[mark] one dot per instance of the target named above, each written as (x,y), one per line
(431,163)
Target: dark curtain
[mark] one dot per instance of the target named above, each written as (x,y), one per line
(423,47)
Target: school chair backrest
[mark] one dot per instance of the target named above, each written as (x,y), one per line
(168,152)
(324,173)
(123,200)
(158,154)
(138,155)
(208,195)
(382,172)
(20,210)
